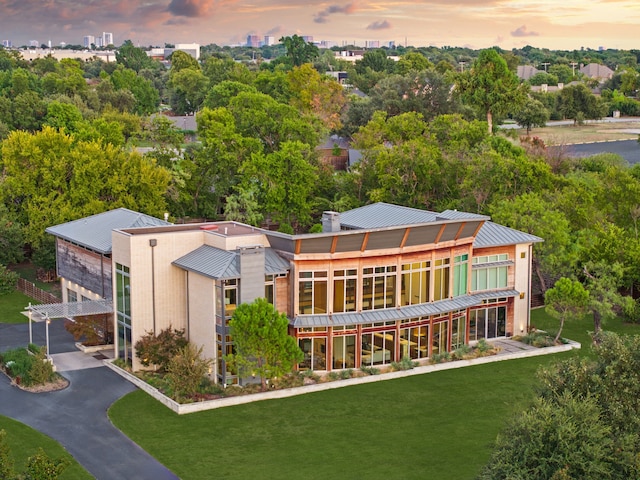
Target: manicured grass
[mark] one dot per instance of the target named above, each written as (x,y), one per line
(11,305)
(24,442)
(438,425)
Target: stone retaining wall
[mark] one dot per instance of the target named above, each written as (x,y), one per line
(318,387)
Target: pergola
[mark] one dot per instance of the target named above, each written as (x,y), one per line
(48,311)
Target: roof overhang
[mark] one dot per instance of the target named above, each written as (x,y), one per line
(400,313)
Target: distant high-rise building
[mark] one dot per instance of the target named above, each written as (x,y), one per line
(98,41)
(392,44)
(34,43)
(269,40)
(307,38)
(253,41)
(88,40)
(6,43)
(107,39)
(373,44)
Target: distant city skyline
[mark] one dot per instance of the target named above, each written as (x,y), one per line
(476,24)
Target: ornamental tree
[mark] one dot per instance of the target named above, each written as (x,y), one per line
(567,300)
(262,345)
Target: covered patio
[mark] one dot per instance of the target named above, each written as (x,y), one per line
(68,310)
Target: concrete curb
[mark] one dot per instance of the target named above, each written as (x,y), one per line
(182,409)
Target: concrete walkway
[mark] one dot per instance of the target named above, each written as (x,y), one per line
(77,416)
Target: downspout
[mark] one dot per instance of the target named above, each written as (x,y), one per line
(152,243)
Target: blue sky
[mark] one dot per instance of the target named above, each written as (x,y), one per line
(554,24)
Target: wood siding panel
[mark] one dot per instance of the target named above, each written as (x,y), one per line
(84,267)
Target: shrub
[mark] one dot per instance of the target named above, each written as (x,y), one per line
(344,374)
(186,370)
(95,329)
(334,375)
(370,370)
(6,461)
(405,364)
(41,370)
(294,379)
(441,357)
(160,349)
(461,352)
(483,346)
(8,280)
(41,467)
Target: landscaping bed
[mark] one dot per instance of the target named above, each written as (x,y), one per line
(30,369)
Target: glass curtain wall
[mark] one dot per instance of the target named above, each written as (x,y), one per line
(123,311)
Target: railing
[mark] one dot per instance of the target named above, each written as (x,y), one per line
(30,290)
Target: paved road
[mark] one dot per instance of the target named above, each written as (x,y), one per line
(77,416)
(628,149)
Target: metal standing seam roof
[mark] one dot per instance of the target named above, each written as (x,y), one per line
(380,215)
(94,232)
(400,313)
(221,264)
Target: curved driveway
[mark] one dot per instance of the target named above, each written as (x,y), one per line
(77,416)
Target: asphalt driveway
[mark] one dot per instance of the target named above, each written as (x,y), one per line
(77,416)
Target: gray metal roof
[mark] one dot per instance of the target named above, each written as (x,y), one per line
(221,264)
(380,215)
(494,235)
(94,232)
(401,313)
(70,309)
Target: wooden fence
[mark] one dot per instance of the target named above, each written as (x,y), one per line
(30,290)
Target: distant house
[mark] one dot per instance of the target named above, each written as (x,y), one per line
(525,72)
(334,151)
(596,71)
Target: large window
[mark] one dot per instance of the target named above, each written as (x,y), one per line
(123,311)
(414,342)
(440,336)
(72,296)
(441,279)
(458,329)
(314,349)
(415,283)
(460,274)
(344,290)
(230,297)
(268,288)
(490,322)
(312,292)
(487,275)
(344,351)
(378,287)
(378,348)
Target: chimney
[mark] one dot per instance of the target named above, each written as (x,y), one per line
(251,263)
(330,222)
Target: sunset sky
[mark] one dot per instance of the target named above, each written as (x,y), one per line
(554,24)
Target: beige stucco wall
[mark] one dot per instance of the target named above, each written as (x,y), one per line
(201,322)
(157,287)
(522,283)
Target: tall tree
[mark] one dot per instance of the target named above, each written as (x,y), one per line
(299,51)
(491,87)
(532,114)
(262,344)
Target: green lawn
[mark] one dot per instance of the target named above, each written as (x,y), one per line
(438,425)
(24,442)
(11,305)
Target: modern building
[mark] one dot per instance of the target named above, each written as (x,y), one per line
(269,40)
(107,39)
(88,41)
(253,41)
(7,43)
(380,283)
